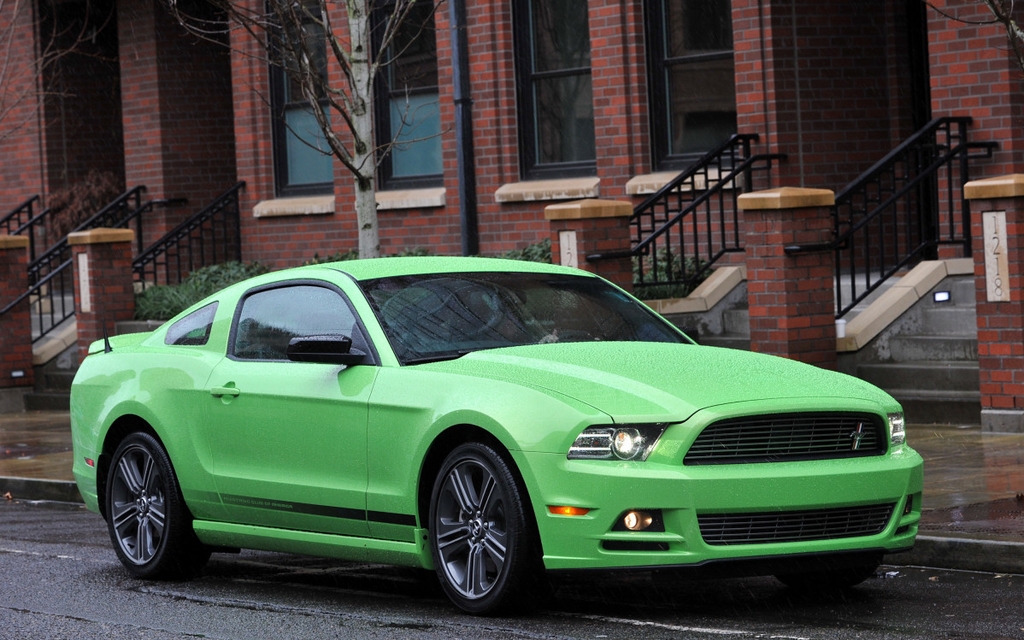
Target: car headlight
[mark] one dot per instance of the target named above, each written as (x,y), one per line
(897,429)
(625,442)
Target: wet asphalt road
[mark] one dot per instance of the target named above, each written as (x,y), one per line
(59,579)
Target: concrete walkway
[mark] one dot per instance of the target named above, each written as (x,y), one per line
(973,491)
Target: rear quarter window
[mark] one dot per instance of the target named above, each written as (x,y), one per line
(193,329)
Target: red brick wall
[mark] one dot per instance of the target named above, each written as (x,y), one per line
(803,70)
(177,102)
(973,73)
(22,173)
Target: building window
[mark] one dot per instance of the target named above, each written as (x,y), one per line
(303,164)
(407,102)
(556,107)
(693,87)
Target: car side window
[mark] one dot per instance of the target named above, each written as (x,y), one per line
(193,329)
(270,318)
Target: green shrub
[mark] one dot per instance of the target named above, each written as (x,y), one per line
(672,277)
(536,252)
(160,302)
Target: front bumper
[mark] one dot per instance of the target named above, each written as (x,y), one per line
(682,493)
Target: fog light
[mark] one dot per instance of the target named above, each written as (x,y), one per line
(637,520)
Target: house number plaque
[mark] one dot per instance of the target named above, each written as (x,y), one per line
(997,272)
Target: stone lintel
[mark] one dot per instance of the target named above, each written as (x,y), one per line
(100,236)
(561,189)
(590,208)
(787,198)
(13,242)
(1011,186)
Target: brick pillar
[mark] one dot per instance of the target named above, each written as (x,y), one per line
(586,227)
(104,292)
(997,232)
(792,310)
(16,324)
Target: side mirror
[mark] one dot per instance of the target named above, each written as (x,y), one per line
(326,349)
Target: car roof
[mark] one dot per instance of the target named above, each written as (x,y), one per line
(370,269)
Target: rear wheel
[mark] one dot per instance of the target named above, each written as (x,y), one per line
(149,524)
(481,538)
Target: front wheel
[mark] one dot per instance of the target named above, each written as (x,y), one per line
(149,524)
(481,538)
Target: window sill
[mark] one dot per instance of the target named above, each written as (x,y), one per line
(308,206)
(410,199)
(564,189)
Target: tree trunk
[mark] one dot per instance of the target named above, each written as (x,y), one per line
(362,129)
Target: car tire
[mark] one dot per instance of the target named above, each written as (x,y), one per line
(834,580)
(481,538)
(149,524)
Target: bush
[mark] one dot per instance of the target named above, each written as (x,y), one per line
(161,302)
(536,252)
(71,206)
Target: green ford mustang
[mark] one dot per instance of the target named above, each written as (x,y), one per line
(490,420)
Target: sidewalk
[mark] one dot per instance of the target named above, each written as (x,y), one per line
(973,490)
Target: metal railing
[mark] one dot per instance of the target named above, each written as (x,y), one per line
(51,287)
(211,236)
(902,209)
(682,230)
(23,221)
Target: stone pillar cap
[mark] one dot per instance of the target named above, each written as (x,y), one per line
(13,242)
(787,198)
(589,208)
(100,236)
(1011,186)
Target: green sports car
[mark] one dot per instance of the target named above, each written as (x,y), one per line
(490,420)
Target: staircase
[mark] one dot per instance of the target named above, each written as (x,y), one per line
(927,359)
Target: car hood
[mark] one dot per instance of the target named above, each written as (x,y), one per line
(662,382)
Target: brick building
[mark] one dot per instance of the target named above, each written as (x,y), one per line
(570,99)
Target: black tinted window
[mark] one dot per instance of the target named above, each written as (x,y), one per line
(272,317)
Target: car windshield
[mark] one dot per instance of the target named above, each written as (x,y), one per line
(443,316)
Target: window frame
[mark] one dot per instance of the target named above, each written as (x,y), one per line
(530,165)
(383,93)
(659,65)
(279,108)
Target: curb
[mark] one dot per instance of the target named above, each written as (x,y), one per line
(966,554)
(33,489)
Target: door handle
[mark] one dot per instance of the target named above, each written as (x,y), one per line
(219,392)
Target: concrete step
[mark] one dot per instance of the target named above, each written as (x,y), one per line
(937,319)
(940,407)
(55,381)
(928,376)
(909,348)
(47,401)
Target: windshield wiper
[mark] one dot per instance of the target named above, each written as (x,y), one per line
(440,357)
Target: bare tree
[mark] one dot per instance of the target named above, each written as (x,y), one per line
(25,79)
(333,57)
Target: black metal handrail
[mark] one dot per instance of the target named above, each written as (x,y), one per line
(119,213)
(902,209)
(680,232)
(19,215)
(209,237)
(23,221)
(51,299)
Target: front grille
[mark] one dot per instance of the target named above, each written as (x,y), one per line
(794,526)
(790,436)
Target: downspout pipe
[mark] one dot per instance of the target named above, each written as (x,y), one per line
(464,130)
